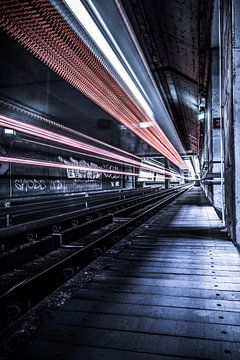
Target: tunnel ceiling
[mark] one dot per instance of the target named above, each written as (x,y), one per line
(174,35)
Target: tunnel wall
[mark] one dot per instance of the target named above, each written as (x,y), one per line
(211,152)
(223,110)
(227,107)
(236,116)
(230,42)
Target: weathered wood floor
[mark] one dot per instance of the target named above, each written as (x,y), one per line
(174,293)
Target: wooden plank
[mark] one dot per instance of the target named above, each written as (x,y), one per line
(183,248)
(221,259)
(152,326)
(166,291)
(193,260)
(172,283)
(164,264)
(135,341)
(179,275)
(152,299)
(157,312)
(165,240)
(48,350)
(153,267)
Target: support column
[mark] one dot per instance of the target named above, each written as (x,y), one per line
(135,170)
(166,166)
(216,135)
(123,177)
(236,114)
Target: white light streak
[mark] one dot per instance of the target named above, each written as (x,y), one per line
(81,13)
(50,164)
(146,124)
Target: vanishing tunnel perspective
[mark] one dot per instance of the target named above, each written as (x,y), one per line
(119,179)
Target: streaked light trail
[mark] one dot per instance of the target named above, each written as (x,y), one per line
(88,23)
(39,27)
(98,152)
(63,140)
(48,135)
(52,123)
(50,164)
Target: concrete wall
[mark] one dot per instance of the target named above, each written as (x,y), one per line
(230,78)
(211,153)
(236,115)
(224,103)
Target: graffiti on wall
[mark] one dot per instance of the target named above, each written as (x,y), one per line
(74,180)
(37,185)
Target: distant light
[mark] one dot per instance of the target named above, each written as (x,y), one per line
(173,92)
(201,116)
(9,132)
(146,124)
(190,167)
(202,101)
(196,164)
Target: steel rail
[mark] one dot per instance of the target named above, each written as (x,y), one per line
(47,222)
(31,290)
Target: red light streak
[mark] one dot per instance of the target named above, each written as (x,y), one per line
(44,32)
(61,166)
(93,150)
(62,127)
(49,164)
(79,145)
(63,140)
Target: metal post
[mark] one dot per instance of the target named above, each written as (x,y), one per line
(220,110)
(236,112)
(166,166)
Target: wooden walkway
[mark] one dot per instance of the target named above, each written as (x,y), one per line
(172,293)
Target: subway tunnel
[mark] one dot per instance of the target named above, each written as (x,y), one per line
(119,179)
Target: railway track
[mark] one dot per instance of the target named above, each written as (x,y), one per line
(21,242)
(50,222)
(22,210)
(32,281)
